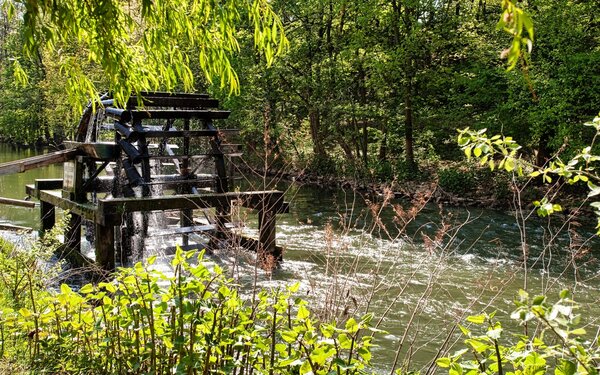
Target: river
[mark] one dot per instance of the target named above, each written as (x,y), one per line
(418,278)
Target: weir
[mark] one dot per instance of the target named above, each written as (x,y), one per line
(161,153)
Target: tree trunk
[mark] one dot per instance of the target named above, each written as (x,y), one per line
(408,124)
(314,117)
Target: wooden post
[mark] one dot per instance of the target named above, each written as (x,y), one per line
(223,211)
(268,254)
(47,214)
(73,190)
(186,217)
(105,246)
(73,234)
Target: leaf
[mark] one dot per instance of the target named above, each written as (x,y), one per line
(303,313)
(509,165)
(65,289)
(86,289)
(464,330)
(443,362)
(294,288)
(565,367)
(468,152)
(151,260)
(578,332)
(351,325)
(538,300)
(477,319)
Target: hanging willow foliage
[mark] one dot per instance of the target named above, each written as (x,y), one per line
(145,45)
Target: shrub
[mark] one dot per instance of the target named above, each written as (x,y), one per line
(558,342)
(192,321)
(456,181)
(322,166)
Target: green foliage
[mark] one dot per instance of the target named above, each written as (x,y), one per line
(558,343)
(456,181)
(146,45)
(323,166)
(514,21)
(194,320)
(581,168)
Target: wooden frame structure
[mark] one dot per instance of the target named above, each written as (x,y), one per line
(176,122)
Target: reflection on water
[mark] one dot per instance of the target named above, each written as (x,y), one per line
(418,281)
(13,186)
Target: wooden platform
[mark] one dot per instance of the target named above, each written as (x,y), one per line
(108,213)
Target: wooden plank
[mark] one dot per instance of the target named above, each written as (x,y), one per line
(48,183)
(111,210)
(15,228)
(19,166)
(86,210)
(188,230)
(17,202)
(96,150)
(173,101)
(178,133)
(175,114)
(150,94)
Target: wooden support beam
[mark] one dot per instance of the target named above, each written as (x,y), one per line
(49,184)
(47,215)
(111,210)
(19,166)
(73,234)
(17,202)
(87,210)
(124,115)
(268,256)
(151,94)
(15,228)
(170,101)
(105,246)
(96,150)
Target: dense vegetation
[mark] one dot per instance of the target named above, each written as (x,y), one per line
(381,86)
(367,89)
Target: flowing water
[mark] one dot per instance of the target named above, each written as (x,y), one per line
(418,279)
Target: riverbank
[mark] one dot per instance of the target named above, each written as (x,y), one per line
(452,185)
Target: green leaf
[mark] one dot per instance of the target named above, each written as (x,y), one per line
(294,288)
(538,300)
(86,289)
(578,332)
(303,312)
(443,362)
(477,319)
(65,289)
(351,325)
(509,165)
(565,367)
(151,260)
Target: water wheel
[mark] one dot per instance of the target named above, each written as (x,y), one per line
(146,132)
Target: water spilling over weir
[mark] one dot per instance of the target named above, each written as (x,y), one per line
(131,171)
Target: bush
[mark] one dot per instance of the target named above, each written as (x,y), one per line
(191,322)
(557,342)
(456,181)
(322,166)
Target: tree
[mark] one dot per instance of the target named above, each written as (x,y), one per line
(144,45)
